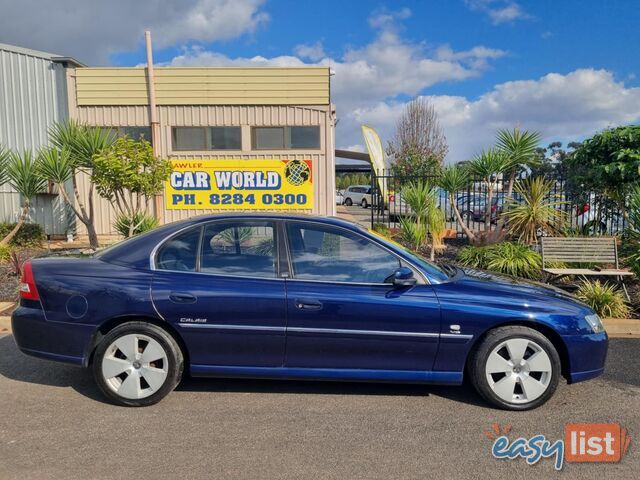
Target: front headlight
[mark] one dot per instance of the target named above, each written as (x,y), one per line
(595,323)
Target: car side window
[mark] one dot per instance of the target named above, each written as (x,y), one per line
(239,248)
(180,252)
(324,253)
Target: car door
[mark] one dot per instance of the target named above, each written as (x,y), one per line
(219,284)
(342,314)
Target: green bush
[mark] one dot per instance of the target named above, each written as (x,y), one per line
(508,258)
(605,299)
(29,235)
(143,221)
(382,229)
(5,253)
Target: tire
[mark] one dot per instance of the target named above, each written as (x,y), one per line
(348,202)
(526,384)
(133,347)
(364,203)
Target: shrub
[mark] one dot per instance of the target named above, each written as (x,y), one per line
(142,221)
(5,253)
(515,259)
(413,233)
(475,257)
(508,258)
(29,235)
(382,229)
(605,299)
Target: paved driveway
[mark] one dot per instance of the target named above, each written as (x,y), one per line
(54,424)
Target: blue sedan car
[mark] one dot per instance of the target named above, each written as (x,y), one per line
(298,297)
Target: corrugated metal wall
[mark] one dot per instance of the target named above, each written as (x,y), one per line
(204,86)
(246,116)
(32,97)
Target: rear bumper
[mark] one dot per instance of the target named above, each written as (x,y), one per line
(58,341)
(587,355)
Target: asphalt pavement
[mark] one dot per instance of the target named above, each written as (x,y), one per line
(54,424)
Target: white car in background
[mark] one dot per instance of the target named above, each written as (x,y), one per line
(357,195)
(339,197)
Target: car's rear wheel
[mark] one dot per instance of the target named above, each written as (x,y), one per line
(515,368)
(364,203)
(137,364)
(348,202)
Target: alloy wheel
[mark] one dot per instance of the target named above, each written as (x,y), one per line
(135,366)
(518,370)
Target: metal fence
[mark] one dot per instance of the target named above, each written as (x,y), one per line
(586,213)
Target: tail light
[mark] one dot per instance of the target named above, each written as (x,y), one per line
(584,209)
(28,289)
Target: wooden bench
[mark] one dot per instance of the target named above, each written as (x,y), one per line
(591,250)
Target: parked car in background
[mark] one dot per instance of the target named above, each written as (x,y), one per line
(339,197)
(358,195)
(298,297)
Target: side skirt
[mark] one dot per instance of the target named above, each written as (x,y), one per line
(335,374)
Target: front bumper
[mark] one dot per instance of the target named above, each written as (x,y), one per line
(58,341)
(587,355)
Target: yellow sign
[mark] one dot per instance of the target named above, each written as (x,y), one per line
(237,184)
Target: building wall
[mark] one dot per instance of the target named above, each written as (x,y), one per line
(32,97)
(204,86)
(245,116)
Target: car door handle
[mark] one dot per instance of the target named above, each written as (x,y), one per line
(308,304)
(179,297)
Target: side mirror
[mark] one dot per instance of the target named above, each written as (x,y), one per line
(403,277)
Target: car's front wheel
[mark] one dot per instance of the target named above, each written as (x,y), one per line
(515,368)
(364,203)
(137,364)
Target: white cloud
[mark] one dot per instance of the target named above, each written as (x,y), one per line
(382,70)
(499,11)
(561,107)
(91,31)
(314,52)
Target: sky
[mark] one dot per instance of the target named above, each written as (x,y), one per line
(564,68)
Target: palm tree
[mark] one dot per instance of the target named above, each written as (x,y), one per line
(454,179)
(422,199)
(520,149)
(4,158)
(538,211)
(22,173)
(76,145)
(487,166)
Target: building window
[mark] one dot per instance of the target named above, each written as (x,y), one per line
(286,138)
(268,138)
(202,138)
(189,138)
(225,138)
(304,137)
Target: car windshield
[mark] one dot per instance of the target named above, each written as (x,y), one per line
(434,272)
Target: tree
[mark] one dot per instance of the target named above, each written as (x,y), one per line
(537,212)
(608,162)
(487,166)
(427,218)
(4,158)
(520,149)
(21,172)
(454,179)
(128,174)
(419,146)
(74,148)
